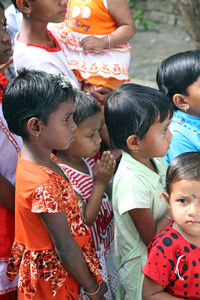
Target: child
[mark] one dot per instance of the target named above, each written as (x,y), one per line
(39,107)
(137,119)
(36,47)
(9,148)
(178,77)
(90,179)
(172,268)
(95,34)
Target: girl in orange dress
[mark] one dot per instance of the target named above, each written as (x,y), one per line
(95,35)
(52,251)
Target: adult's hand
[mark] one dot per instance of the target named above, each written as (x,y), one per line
(101,93)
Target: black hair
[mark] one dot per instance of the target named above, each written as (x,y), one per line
(33,94)
(184,166)
(1,5)
(132,109)
(177,72)
(85,107)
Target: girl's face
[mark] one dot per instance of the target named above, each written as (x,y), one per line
(184,203)
(5,41)
(87,140)
(156,141)
(193,98)
(60,129)
(48,10)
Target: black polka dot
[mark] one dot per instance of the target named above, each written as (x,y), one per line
(163,273)
(185,293)
(196,284)
(192,246)
(172,284)
(157,254)
(161,249)
(167,241)
(174,236)
(160,235)
(197,293)
(186,249)
(196,275)
(185,285)
(185,277)
(185,267)
(172,263)
(194,263)
(164,266)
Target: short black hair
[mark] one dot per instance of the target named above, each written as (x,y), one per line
(85,107)
(184,166)
(1,5)
(177,72)
(132,109)
(33,94)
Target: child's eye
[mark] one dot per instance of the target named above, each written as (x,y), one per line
(91,135)
(165,130)
(183,201)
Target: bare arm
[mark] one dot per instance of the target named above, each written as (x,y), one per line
(102,173)
(70,253)
(153,291)
(146,225)
(7,194)
(120,12)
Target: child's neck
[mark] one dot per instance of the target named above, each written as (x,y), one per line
(35,32)
(73,161)
(148,162)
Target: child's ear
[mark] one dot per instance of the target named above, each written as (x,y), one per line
(132,143)
(34,127)
(180,101)
(166,196)
(24,6)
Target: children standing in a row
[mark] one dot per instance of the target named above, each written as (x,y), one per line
(137,119)
(95,35)
(172,270)
(39,107)
(90,179)
(178,77)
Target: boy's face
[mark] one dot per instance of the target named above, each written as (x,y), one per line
(5,41)
(156,141)
(48,10)
(87,140)
(184,203)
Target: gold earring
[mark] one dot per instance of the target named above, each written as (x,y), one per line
(135,150)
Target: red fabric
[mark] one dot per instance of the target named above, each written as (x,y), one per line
(3,82)
(7,232)
(9,296)
(174,263)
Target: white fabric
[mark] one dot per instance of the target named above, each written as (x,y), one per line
(38,58)
(8,152)
(5,284)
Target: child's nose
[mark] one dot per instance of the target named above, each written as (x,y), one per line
(73,125)
(170,135)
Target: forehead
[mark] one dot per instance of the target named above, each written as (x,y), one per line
(91,122)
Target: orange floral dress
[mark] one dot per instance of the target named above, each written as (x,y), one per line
(33,256)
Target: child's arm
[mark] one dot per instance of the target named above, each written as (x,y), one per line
(146,225)
(102,173)
(153,291)
(70,253)
(7,194)
(120,12)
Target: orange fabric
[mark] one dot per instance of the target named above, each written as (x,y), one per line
(39,189)
(99,22)
(97,81)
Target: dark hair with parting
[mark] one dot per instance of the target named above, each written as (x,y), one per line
(132,109)
(33,94)
(177,72)
(1,5)
(85,107)
(184,166)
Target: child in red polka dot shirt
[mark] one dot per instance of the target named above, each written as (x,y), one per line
(172,270)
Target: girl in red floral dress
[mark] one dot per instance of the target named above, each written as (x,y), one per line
(49,229)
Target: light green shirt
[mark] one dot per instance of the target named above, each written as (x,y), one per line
(135,186)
